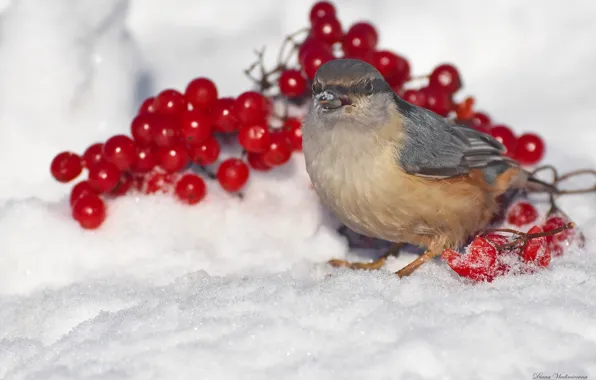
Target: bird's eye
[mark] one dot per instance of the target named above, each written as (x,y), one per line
(369,88)
(317,87)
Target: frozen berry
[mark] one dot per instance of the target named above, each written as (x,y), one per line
(536,250)
(169,102)
(172,159)
(205,153)
(190,189)
(505,136)
(293,130)
(79,190)
(103,177)
(145,161)
(321,9)
(529,149)
(478,264)
(327,29)
(446,77)
(201,93)
(90,211)
(158,182)
(224,115)
(66,166)
(553,223)
(195,127)
(360,39)
(232,174)
(255,161)
(93,155)
(279,150)
(292,83)
(521,213)
(415,97)
(120,150)
(251,107)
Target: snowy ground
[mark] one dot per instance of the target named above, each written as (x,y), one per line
(239,290)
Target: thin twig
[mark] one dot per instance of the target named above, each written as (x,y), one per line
(525,237)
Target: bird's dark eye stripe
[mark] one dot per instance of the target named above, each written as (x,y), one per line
(366,87)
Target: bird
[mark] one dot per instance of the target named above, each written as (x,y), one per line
(392,170)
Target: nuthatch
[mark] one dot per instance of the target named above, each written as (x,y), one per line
(395,171)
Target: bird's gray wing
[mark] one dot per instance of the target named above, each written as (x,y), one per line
(436,147)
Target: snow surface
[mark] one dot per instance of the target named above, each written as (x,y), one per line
(234,289)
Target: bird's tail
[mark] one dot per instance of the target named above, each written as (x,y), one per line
(529,182)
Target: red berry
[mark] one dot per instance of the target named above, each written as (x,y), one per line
(147,106)
(191,189)
(251,107)
(66,166)
(196,127)
(496,239)
(121,151)
(395,69)
(321,10)
(167,132)
(90,211)
(103,176)
(124,185)
(446,77)
(169,102)
(93,155)
(279,150)
(172,159)
(361,39)
(143,128)
(292,83)
(521,213)
(529,149)
(555,222)
(201,93)
(255,161)
(313,59)
(415,97)
(556,249)
(438,101)
(312,44)
(80,189)
(232,174)
(480,119)
(205,153)
(145,161)
(224,115)
(158,181)
(478,264)
(254,138)
(293,130)
(537,250)
(505,136)
(327,29)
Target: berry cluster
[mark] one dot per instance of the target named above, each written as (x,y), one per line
(493,254)
(176,138)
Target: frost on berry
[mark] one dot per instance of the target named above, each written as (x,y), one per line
(522,213)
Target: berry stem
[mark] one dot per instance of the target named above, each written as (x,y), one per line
(525,237)
(289,40)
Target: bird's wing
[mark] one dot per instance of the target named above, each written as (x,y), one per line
(436,147)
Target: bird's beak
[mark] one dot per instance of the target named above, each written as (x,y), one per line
(331,100)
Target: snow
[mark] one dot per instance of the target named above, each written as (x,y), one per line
(235,288)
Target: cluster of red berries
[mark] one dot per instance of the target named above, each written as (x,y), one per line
(172,132)
(175,132)
(493,254)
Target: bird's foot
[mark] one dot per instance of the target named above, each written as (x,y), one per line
(374,265)
(411,267)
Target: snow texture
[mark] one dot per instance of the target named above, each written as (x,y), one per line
(234,289)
